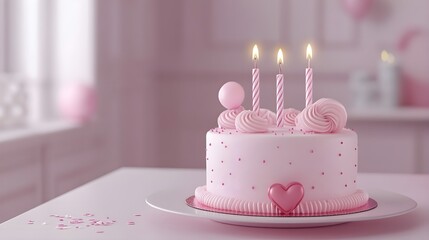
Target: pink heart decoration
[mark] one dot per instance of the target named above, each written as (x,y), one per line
(286,198)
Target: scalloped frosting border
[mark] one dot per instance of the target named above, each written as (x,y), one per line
(355,200)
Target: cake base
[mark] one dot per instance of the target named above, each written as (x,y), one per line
(194,203)
(352,201)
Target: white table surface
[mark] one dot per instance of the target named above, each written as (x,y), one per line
(120,196)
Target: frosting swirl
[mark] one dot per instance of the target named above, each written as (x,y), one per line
(289,115)
(324,116)
(250,122)
(268,115)
(227,118)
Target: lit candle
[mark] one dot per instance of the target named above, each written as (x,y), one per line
(255,80)
(309,78)
(280,91)
(388,80)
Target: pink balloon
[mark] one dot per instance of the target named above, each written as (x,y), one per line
(77,103)
(357,8)
(231,95)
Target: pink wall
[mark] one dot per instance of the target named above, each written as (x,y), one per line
(173,56)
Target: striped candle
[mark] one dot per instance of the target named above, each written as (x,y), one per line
(280,91)
(255,89)
(308,86)
(255,80)
(280,99)
(309,78)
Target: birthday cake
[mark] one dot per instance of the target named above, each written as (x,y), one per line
(306,165)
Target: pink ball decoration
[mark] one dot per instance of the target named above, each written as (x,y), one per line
(413,47)
(231,95)
(357,8)
(77,103)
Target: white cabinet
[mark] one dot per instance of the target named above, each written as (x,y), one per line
(38,168)
(394,141)
(20,179)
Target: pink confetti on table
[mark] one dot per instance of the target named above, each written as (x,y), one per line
(76,221)
(131,223)
(63,227)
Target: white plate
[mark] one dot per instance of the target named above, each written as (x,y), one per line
(389,205)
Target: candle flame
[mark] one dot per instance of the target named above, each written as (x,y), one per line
(309,52)
(384,56)
(387,57)
(255,53)
(280,56)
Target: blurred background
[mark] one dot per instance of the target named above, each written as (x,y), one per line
(88,86)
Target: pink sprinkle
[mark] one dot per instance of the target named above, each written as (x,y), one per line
(263,161)
(76,221)
(137,215)
(100,232)
(131,223)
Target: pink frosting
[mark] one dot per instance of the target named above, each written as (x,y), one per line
(250,122)
(355,200)
(324,116)
(227,118)
(268,115)
(289,115)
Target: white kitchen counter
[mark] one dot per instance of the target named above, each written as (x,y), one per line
(116,203)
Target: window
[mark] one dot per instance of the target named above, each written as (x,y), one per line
(44,46)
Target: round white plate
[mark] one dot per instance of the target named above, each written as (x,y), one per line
(389,205)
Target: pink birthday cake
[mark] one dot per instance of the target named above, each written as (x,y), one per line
(306,165)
